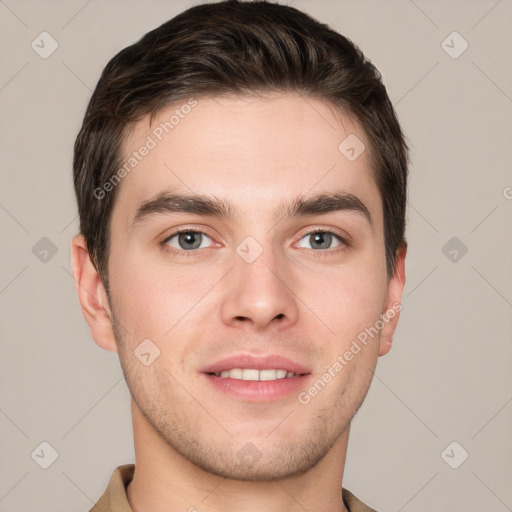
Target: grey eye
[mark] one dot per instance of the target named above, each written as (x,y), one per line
(320,240)
(188,240)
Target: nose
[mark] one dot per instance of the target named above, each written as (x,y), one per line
(259,295)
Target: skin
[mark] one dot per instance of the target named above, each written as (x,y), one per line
(198,308)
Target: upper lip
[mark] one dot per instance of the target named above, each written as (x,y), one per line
(273,361)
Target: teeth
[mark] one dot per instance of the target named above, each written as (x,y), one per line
(253,374)
(267,375)
(250,374)
(235,373)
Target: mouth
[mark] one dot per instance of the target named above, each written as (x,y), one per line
(253,374)
(257,379)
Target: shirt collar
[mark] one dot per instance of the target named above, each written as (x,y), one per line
(114,498)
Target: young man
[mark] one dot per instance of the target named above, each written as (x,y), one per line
(241,183)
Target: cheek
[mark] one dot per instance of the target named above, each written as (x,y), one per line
(350,308)
(152,298)
(347,300)
(139,297)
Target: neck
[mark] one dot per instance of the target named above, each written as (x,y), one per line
(164,480)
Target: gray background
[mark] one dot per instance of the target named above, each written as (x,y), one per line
(447,377)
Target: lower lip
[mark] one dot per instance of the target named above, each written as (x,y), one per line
(257,390)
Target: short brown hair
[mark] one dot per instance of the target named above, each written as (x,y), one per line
(234,47)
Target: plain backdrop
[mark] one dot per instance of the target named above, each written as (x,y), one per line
(446,380)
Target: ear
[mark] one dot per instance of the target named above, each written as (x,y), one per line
(92,296)
(394,301)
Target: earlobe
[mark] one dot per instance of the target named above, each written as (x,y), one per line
(92,296)
(393,307)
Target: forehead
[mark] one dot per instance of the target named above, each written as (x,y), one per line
(254,150)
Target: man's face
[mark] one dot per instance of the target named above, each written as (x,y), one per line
(255,283)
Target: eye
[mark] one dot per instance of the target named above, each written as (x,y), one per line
(321,239)
(186,240)
(190,240)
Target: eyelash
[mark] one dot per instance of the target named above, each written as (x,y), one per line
(317,253)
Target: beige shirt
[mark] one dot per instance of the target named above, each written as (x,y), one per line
(114,498)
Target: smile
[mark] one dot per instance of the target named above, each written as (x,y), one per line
(254,374)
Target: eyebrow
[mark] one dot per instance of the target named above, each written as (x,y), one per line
(319,204)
